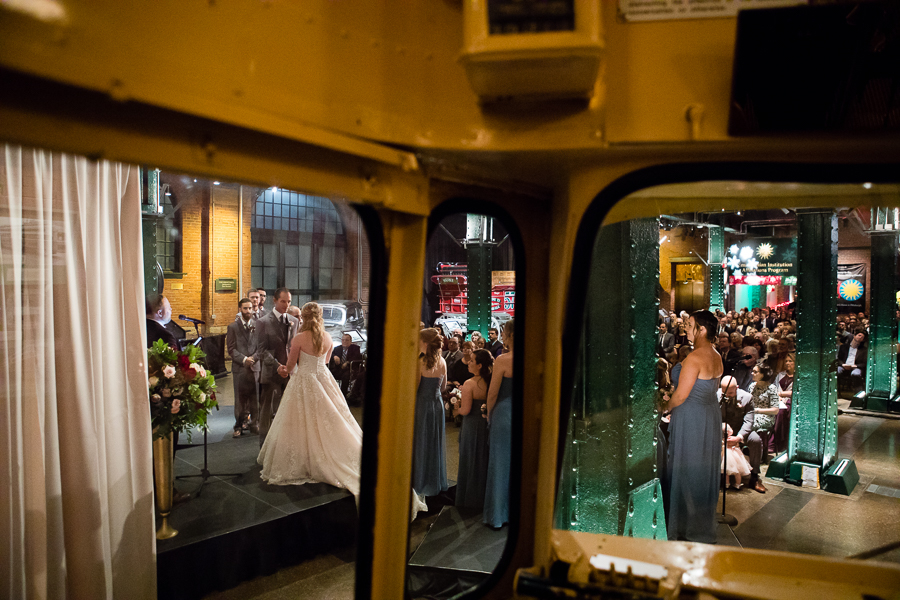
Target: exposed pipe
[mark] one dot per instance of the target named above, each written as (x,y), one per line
(359,253)
(767,222)
(241,242)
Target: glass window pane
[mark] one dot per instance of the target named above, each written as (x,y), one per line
(290,278)
(291,256)
(270,278)
(303,282)
(325,279)
(271,255)
(475,457)
(256,276)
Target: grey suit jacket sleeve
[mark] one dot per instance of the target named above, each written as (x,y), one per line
(749,415)
(264,334)
(668,343)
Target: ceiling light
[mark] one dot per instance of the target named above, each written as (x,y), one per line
(215,183)
(867,185)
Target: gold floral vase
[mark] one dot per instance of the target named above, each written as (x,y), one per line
(164,476)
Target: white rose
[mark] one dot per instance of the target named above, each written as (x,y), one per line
(169,371)
(202,372)
(153,380)
(202,397)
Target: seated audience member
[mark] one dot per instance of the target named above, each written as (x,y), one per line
(784,383)
(737,412)
(852,357)
(159,313)
(765,399)
(743,370)
(341,358)
(730,356)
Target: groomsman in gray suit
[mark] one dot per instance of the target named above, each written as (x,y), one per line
(240,338)
(275,330)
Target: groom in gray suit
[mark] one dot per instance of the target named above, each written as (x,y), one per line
(275,330)
(240,339)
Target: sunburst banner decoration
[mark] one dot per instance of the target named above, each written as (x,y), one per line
(851,287)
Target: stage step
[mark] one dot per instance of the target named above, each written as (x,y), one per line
(239,527)
(457,553)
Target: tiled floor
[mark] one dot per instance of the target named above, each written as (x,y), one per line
(786,518)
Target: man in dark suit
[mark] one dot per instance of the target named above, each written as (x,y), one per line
(494,345)
(274,332)
(665,341)
(738,412)
(159,313)
(240,339)
(852,358)
(261,307)
(341,358)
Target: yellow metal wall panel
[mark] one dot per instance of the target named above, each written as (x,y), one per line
(655,70)
(373,70)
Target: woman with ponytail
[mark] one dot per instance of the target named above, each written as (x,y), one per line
(429,443)
(473,437)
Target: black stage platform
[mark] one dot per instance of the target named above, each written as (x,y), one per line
(239,527)
(458,552)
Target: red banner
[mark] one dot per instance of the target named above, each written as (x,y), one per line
(755,280)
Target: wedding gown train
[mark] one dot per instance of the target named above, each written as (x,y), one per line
(314,437)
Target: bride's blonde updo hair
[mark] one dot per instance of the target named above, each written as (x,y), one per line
(311,313)
(433,342)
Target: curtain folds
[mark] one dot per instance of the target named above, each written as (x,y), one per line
(76,493)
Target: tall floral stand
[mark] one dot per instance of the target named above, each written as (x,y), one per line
(164,477)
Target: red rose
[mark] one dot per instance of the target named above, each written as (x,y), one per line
(184,362)
(189,373)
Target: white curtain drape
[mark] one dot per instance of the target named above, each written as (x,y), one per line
(76,492)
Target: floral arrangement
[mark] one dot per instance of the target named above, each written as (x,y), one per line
(182,393)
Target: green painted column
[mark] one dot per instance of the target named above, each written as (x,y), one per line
(756,297)
(716,272)
(149,217)
(813,433)
(609,483)
(479,249)
(882,361)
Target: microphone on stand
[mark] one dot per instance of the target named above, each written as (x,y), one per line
(190,320)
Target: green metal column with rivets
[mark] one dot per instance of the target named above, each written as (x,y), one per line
(479,250)
(813,425)
(149,217)
(610,482)
(716,271)
(882,361)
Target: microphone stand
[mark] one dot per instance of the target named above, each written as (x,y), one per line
(204,472)
(725,518)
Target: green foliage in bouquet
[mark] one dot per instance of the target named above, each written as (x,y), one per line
(181,391)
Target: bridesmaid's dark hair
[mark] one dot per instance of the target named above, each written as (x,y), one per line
(434,341)
(704,318)
(485,362)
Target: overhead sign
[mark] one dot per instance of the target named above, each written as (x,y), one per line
(667,10)
(762,258)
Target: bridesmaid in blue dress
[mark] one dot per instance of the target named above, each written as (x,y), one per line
(695,437)
(473,437)
(429,441)
(499,407)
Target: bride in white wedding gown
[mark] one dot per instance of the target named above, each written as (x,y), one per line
(314,437)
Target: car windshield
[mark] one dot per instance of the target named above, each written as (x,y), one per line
(332,314)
